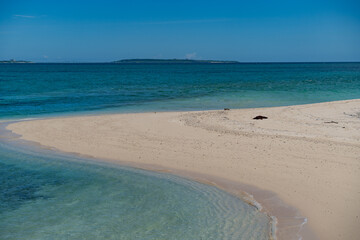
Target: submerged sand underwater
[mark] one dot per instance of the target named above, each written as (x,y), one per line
(50,195)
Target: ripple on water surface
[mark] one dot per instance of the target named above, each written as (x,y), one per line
(51,196)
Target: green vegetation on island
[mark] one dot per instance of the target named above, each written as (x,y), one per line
(170,61)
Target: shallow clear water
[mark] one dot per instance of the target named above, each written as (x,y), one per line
(28,90)
(47,195)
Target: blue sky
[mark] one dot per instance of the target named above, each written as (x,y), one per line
(249,31)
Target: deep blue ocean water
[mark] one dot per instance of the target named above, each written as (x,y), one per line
(49,195)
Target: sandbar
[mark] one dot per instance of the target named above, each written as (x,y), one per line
(307,155)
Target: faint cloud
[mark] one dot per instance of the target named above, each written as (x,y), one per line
(23,16)
(27,16)
(45,56)
(159,56)
(191,55)
(189,21)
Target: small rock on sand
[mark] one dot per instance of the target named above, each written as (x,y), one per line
(259,117)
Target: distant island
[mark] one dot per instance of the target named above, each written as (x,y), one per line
(149,61)
(14,61)
(172,61)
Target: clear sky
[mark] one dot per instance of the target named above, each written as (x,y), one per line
(250,31)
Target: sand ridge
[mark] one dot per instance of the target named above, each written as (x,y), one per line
(309,155)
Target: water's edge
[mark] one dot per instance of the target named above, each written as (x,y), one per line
(285,221)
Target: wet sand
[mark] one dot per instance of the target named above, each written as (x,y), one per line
(305,156)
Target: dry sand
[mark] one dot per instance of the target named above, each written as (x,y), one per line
(309,155)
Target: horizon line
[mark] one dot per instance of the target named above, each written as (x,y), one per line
(229,61)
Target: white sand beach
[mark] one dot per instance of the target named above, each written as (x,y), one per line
(308,155)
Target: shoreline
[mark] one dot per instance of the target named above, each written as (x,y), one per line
(251,195)
(222,127)
(232,188)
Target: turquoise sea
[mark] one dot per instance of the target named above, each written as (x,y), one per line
(28,90)
(50,195)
